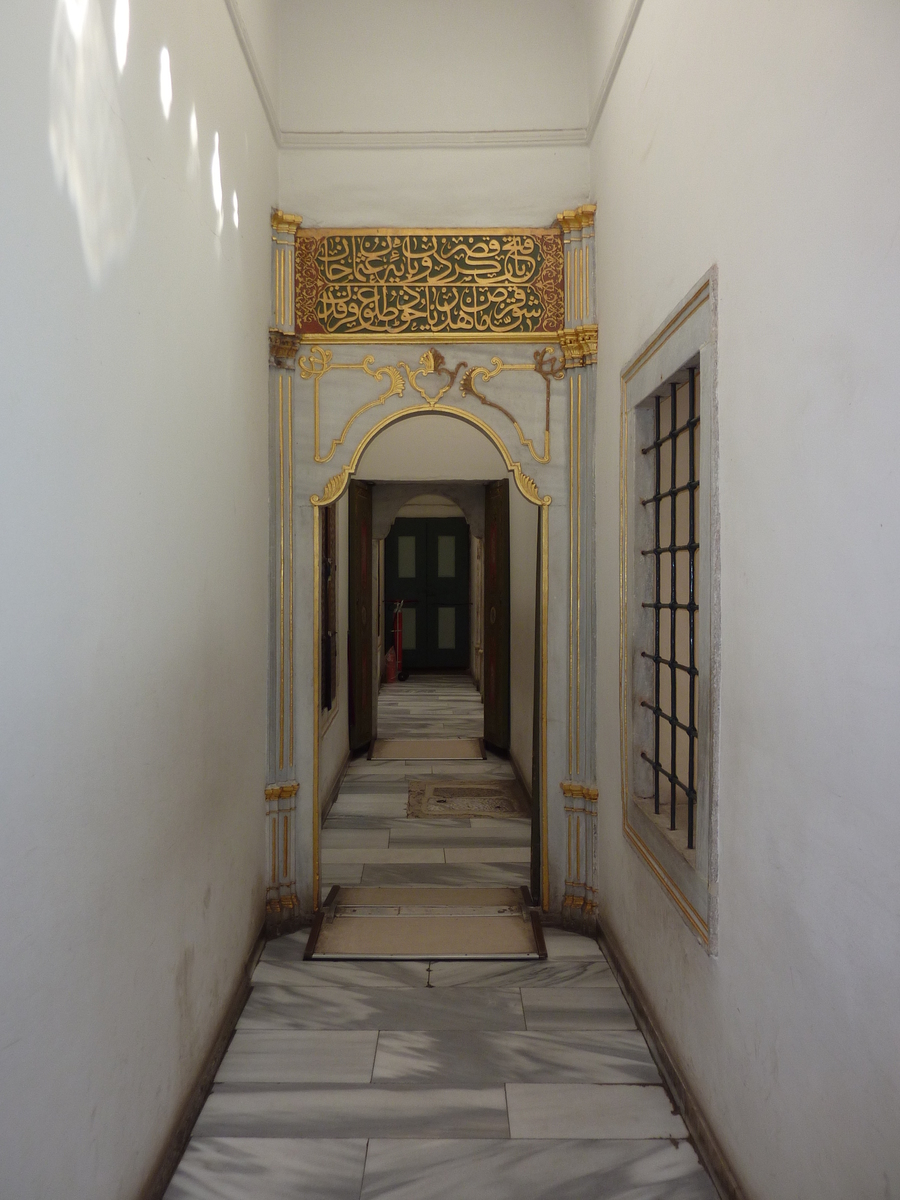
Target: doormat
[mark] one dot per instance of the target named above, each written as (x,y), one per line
(426,923)
(437,797)
(425,748)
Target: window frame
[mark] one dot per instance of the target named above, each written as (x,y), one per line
(690,878)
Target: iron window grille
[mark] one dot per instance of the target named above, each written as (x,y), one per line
(674,504)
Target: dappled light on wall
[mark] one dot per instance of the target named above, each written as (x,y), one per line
(216,172)
(121,29)
(234,210)
(165,82)
(87,137)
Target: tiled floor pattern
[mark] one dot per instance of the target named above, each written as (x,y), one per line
(439,705)
(441,1081)
(367,837)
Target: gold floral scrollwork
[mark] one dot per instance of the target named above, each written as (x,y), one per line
(432,362)
(320,362)
(548,369)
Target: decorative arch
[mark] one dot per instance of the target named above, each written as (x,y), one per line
(337,484)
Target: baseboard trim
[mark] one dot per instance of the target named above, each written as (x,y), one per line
(325,809)
(176,1143)
(702,1134)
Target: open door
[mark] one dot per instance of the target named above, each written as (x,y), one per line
(359,580)
(496,615)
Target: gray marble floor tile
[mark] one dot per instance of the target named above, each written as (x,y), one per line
(472,1058)
(349,1007)
(346,874)
(296,1056)
(411,833)
(576,1008)
(355,1111)
(392,855)
(563,944)
(336,839)
(288,968)
(533,1170)
(521,824)
(488,854)
(269,1169)
(591,1110)
(559,973)
(437,875)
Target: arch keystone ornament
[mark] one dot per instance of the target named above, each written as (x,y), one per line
(371,327)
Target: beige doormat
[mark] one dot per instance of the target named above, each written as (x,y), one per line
(427,923)
(423,748)
(438,797)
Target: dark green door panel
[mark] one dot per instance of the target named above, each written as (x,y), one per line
(426,565)
(359,587)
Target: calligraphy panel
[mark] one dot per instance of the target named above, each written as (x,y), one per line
(394,284)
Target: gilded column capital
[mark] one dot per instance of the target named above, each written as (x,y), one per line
(283,348)
(283,222)
(577,218)
(579,346)
(282,791)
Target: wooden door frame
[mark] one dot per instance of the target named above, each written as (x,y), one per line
(529,490)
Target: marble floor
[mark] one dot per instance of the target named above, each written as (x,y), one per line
(438,1081)
(435,1080)
(367,837)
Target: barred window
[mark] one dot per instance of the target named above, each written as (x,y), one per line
(669,667)
(674,452)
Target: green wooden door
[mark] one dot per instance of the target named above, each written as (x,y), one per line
(426,565)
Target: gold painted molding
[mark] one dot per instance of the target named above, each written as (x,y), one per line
(283,222)
(282,791)
(579,791)
(577,218)
(283,348)
(579,346)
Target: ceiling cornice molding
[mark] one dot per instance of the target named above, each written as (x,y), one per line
(612,69)
(434,139)
(431,139)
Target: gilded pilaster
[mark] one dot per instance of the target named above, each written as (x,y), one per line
(578,342)
(281,794)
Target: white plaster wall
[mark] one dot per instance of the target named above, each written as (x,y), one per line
(426,187)
(133,538)
(523,526)
(763,138)
(431,447)
(335,743)
(349,65)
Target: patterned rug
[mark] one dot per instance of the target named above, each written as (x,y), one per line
(466,798)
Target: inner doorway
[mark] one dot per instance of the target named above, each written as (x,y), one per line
(426,574)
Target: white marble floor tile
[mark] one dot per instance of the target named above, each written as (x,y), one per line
(559,973)
(455,875)
(522,824)
(348,1007)
(409,833)
(533,1170)
(576,1008)
(346,874)
(296,1056)
(393,854)
(269,1169)
(561,943)
(335,839)
(373,1110)
(475,1058)
(290,970)
(591,1110)
(488,854)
